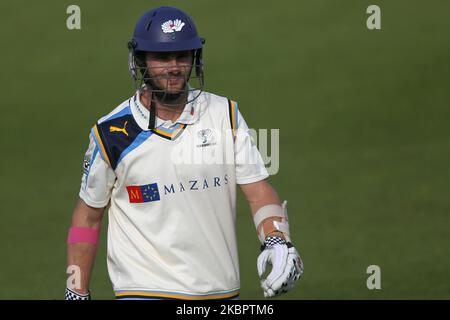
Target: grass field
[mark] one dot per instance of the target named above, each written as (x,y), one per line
(363,118)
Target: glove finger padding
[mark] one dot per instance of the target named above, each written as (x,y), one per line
(277,257)
(280,276)
(262,262)
(295,264)
(279,261)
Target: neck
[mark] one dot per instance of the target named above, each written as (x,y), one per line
(162,111)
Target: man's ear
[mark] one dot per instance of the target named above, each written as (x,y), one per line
(140,59)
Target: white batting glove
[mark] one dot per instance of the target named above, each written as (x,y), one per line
(287,266)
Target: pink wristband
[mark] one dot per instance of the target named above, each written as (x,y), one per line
(83,235)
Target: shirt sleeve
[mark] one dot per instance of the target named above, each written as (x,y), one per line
(98,178)
(249,164)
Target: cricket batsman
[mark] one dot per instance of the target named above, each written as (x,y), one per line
(171,214)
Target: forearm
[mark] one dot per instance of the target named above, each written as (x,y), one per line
(258,197)
(81,254)
(82,257)
(262,196)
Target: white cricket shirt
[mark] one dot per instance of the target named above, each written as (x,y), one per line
(172,195)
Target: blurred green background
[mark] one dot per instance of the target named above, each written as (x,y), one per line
(364,130)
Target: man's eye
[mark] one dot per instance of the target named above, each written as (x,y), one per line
(184,55)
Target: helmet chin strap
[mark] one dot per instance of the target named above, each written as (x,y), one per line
(152,118)
(151,108)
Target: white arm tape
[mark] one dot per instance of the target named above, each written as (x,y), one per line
(273,210)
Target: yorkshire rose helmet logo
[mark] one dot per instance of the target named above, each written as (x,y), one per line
(172,26)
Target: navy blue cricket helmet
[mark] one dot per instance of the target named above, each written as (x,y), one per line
(164,29)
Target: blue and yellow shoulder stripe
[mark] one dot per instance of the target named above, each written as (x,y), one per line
(117,136)
(233,115)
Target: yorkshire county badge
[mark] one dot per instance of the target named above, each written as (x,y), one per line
(206,137)
(172,27)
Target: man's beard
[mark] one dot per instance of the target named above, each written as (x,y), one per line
(170,98)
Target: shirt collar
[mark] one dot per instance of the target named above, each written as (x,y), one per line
(189,115)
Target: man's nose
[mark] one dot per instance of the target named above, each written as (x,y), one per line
(173,65)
